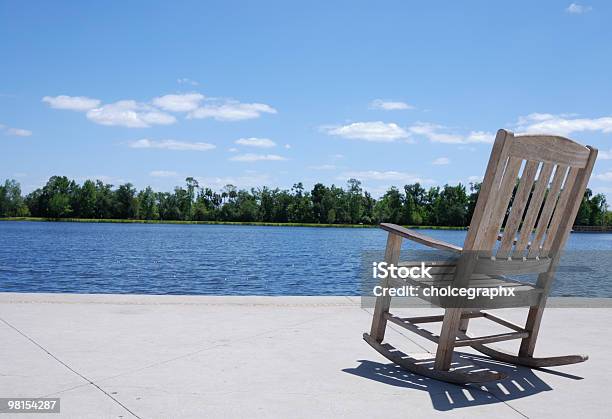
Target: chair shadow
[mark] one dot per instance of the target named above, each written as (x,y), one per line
(521,382)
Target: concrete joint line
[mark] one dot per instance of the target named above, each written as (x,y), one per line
(70,368)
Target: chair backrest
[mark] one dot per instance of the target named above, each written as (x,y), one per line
(552,174)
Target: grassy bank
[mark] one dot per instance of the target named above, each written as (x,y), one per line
(252,223)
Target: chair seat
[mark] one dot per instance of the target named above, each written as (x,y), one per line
(442,275)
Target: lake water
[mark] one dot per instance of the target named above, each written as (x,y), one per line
(223,259)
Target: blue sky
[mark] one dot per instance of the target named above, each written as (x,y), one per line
(273,93)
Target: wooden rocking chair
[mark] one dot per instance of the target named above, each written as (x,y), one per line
(548,204)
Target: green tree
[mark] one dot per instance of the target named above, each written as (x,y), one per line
(86,200)
(389,208)
(34,201)
(338,200)
(187,200)
(168,206)
(126,203)
(593,210)
(147,201)
(203,209)
(58,206)
(281,206)
(319,212)
(368,203)
(354,197)
(183,203)
(472,199)
(11,202)
(105,200)
(56,197)
(300,207)
(598,208)
(246,206)
(452,206)
(266,199)
(414,204)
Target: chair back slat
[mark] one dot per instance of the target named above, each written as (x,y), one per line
(535,205)
(518,208)
(503,196)
(549,206)
(488,191)
(551,183)
(564,198)
(571,209)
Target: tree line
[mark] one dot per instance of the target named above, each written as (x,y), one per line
(411,205)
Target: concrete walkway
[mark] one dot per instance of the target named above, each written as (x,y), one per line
(176,356)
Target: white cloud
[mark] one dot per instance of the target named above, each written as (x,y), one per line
(536,116)
(578,9)
(441,161)
(604,190)
(185,102)
(129,113)
(384,176)
(257,157)
(323,167)
(133,114)
(432,133)
(480,137)
(474,179)
(163,173)
(439,134)
(562,124)
(73,103)
(256,142)
(388,105)
(232,149)
(369,131)
(172,145)
(605,155)
(18,132)
(606,176)
(103,178)
(231,110)
(252,180)
(287,146)
(185,80)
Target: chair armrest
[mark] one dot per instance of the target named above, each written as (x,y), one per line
(419,238)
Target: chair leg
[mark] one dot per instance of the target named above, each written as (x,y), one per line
(534,318)
(379,321)
(532,325)
(452,323)
(446,342)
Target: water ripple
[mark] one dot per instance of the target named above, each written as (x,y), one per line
(212,259)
